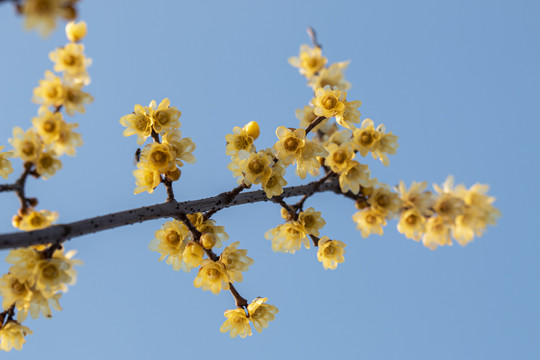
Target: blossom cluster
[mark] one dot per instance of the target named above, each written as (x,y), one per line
(258,313)
(34,284)
(435,218)
(163,156)
(184,250)
(41,146)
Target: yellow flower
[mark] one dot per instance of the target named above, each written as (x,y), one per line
(164,117)
(14,292)
(261,314)
(147,178)
(273,186)
(330,252)
(50,91)
(350,115)
(256,167)
(5,164)
(12,335)
(75,99)
(329,102)
(53,275)
(209,226)
(369,222)
(339,156)
(366,138)
(448,205)
(47,164)
(24,261)
(158,156)
(75,32)
(139,123)
(387,145)
(67,140)
(354,176)
(239,140)
(437,233)
(308,162)
(237,323)
(416,197)
(412,224)
(290,144)
(27,145)
(192,256)
(170,241)
(212,276)
(310,61)
(288,238)
(383,200)
(71,60)
(34,220)
(332,76)
(311,220)
(48,125)
(235,261)
(182,148)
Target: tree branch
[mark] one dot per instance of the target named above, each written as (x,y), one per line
(171,209)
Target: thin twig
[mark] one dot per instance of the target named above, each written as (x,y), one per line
(313,36)
(314,123)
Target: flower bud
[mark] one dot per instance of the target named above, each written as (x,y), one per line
(75,32)
(174,174)
(252,129)
(208,240)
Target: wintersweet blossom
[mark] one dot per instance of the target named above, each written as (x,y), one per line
(329,102)
(309,62)
(237,323)
(235,261)
(260,313)
(330,252)
(5,165)
(212,276)
(12,335)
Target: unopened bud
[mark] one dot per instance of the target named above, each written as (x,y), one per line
(252,129)
(208,240)
(174,175)
(75,32)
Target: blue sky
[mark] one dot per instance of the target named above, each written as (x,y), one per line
(457,81)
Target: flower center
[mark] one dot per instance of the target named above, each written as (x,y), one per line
(256,166)
(339,156)
(173,238)
(329,250)
(291,144)
(329,102)
(49,126)
(28,148)
(50,272)
(17,288)
(411,219)
(46,161)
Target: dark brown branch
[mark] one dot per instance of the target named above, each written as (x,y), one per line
(240,301)
(229,197)
(62,232)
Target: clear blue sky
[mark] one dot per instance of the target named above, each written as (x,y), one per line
(457,81)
